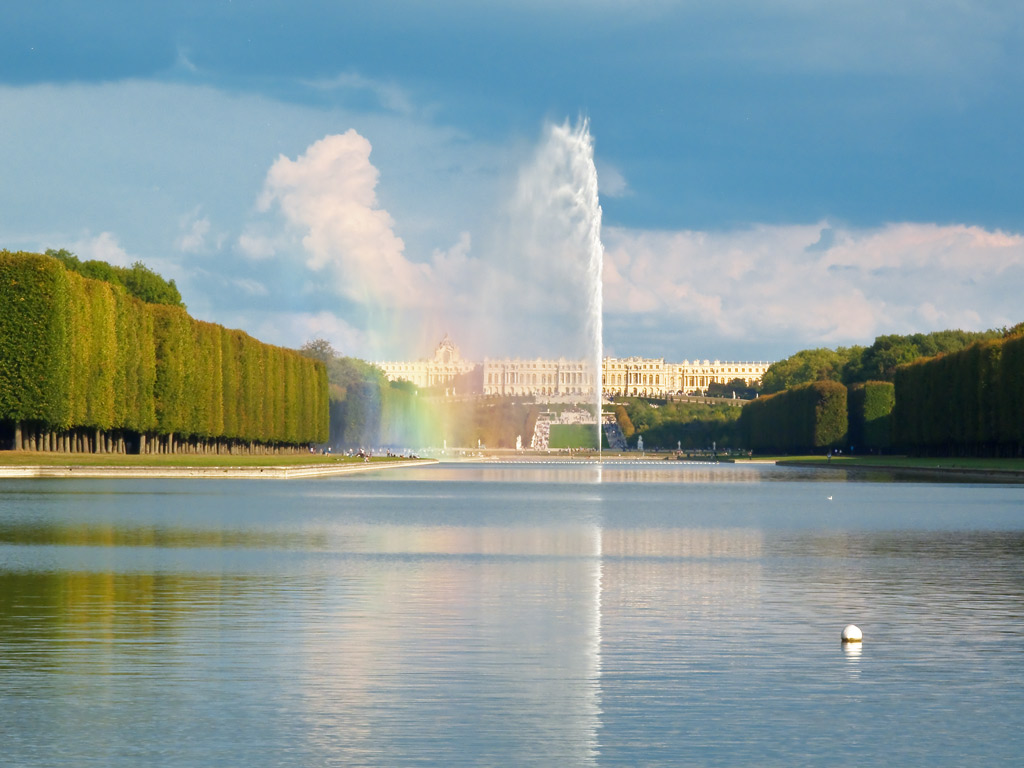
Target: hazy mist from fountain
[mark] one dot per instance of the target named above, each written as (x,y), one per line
(529,285)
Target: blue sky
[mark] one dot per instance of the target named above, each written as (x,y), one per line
(773,175)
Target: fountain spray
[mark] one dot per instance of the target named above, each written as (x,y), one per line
(580,147)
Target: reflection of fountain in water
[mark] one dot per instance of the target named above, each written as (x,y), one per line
(493,614)
(593,651)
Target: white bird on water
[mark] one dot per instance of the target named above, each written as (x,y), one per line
(830,498)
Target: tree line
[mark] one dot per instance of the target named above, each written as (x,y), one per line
(369,411)
(803,418)
(967,402)
(970,403)
(138,279)
(873,399)
(673,424)
(878,362)
(86,366)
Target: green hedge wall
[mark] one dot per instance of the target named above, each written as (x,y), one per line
(135,368)
(805,418)
(83,353)
(35,351)
(1011,399)
(967,403)
(869,408)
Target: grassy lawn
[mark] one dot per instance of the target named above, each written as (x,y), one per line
(25,458)
(573,436)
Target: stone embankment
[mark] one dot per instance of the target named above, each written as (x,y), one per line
(243,473)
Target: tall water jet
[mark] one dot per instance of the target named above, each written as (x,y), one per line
(586,174)
(556,257)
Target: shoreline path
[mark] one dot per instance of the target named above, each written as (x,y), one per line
(260,473)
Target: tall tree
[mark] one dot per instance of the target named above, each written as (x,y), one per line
(807,366)
(319,349)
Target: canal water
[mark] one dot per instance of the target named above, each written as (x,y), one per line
(512,614)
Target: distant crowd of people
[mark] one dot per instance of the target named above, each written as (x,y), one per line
(363,453)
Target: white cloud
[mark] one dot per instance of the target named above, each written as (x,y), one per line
(816,284)
(389,95)
(956,248)
(184,61)
(285,328)
(329,195)
(195,230)
(250,287)
(102,247)
(256,247)
(457,270)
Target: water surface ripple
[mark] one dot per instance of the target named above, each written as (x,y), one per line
(512,615)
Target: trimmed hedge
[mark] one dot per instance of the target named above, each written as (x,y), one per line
(35,351)
(967,403)
(805,418)
(870,407)
(77,353)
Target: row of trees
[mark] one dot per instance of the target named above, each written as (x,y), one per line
(869,408)
(964,403)
(808,417)
(970,403)
(138,279)
(368,411)
(672,424)
(965,400)
(878,362)
(78,354)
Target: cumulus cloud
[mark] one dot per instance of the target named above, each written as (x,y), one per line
(816,284)
(256,247)
(194,231)
(102,247)
(329,195)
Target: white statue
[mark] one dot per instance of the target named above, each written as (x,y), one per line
(640,443)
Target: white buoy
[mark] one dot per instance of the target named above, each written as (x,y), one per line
(852,634)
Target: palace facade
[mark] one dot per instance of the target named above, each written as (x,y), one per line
(565,379)
(653,377)
(445,369)
(539,378)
